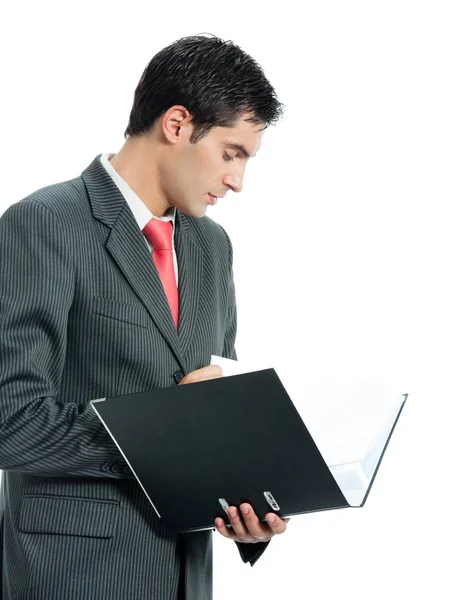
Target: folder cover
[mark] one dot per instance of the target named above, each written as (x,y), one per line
(197,448)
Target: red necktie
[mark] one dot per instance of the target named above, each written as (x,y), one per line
(160,236)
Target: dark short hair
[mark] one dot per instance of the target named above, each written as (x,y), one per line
(214,79)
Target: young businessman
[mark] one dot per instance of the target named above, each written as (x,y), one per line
(112,283)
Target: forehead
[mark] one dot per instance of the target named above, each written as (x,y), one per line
(243,133)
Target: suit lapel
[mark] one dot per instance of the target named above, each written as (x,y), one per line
(190,267)
(128,247)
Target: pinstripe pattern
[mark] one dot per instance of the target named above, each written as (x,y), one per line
(83,315)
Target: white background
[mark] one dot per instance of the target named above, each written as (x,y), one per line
(341,235)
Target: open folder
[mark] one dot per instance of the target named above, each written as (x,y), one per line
(196,449)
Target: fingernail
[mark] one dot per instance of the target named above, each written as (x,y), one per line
(218,523)
(245,511)
(272,519)
(232,512)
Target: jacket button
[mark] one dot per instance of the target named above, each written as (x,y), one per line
(116,469)
(126,470)
(105,467)
(178,376)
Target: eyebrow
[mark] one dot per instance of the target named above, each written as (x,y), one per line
(240,148)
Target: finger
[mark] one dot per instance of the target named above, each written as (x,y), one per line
(238,525)
(260,531)
(225,531)
(196,379)
(215,370)
(210,372)
(276,523)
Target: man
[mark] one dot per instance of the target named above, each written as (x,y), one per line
(111,283)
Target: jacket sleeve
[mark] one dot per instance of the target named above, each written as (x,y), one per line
(249,552)
(38,433)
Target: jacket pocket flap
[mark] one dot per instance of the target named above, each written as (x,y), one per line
(120,311)
(62,515)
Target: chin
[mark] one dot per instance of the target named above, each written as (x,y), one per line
(195,212)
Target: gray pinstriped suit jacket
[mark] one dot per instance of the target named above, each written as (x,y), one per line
(83,315)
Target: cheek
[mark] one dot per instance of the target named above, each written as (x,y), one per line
(210,167)
(200,172)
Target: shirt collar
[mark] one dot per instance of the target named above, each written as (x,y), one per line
(140,211)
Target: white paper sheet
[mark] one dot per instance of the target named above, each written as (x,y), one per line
(349,421)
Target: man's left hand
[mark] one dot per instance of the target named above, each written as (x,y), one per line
(247,527)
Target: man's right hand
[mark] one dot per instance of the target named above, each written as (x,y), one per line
(210,372)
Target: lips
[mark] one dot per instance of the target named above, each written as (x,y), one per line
(211,199)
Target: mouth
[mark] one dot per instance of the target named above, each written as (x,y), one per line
(212,199)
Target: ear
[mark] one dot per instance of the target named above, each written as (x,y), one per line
(176,124)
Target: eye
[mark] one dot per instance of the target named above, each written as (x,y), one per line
(227,158)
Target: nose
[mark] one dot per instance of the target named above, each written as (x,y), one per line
(234,182)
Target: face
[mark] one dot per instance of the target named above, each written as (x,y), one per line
(214,165)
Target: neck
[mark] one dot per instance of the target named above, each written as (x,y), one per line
(136,162)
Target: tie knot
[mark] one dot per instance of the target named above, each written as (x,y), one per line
(159,234)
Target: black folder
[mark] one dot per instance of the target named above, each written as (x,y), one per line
(197,448)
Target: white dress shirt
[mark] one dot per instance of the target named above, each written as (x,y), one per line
(140,211)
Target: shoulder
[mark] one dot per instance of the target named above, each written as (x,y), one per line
(56,200)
